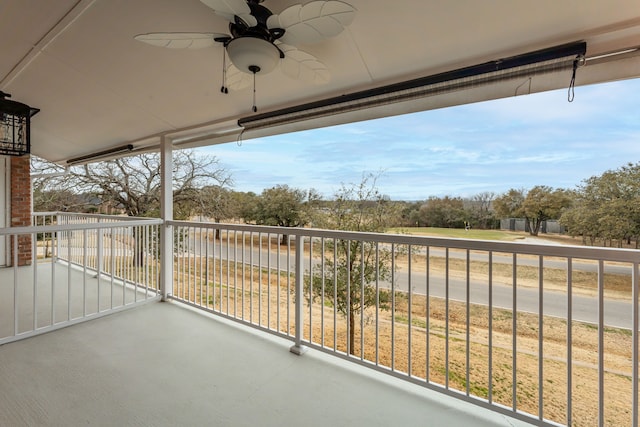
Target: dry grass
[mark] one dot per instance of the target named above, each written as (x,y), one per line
(617,286)
(266,300)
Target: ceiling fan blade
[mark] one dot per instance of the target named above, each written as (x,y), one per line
(229,9)
(236,79)
(233,7)
(303,66)
(312,22)
(180,40)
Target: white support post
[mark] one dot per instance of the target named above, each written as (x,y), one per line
(298,348)
(166,210)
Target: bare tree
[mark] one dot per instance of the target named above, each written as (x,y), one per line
(481,209)
(132,184)
(216,202)
(351,266)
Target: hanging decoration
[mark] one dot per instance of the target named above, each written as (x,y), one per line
(15,126)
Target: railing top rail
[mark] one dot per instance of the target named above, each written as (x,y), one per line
(521,248)
(98,216)
(75,227)
(44,213)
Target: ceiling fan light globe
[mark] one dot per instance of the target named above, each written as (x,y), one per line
(246,53)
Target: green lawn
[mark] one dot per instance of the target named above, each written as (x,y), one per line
(459,233)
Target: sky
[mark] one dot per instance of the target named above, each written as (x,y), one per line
(520,142)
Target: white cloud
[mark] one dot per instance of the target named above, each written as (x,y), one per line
(518,142)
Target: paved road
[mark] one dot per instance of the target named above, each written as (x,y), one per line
(617,313)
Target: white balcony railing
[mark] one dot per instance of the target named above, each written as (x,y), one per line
(546,334)
(69,268)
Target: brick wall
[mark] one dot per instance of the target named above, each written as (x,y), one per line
(21,206)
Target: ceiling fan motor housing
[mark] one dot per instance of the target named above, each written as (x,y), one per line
(247,53)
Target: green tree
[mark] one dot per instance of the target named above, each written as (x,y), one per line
(284,206)
(607,207)
(244,205)
(509,205)
(352,265)
(447,212)
(539,204)
(544,203)
(582,220)
(409,214)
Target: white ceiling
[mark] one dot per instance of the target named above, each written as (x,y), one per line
(99,88)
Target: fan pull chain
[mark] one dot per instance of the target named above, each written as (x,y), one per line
(224,88)
(255,109)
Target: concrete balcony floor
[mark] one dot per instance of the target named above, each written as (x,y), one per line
(74,294)
(162,364)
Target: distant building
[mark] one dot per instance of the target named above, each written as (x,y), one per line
(520,224)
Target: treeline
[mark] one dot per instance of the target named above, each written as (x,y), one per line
(280,205)
(603,210)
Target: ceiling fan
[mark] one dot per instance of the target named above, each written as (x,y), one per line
(261,40)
